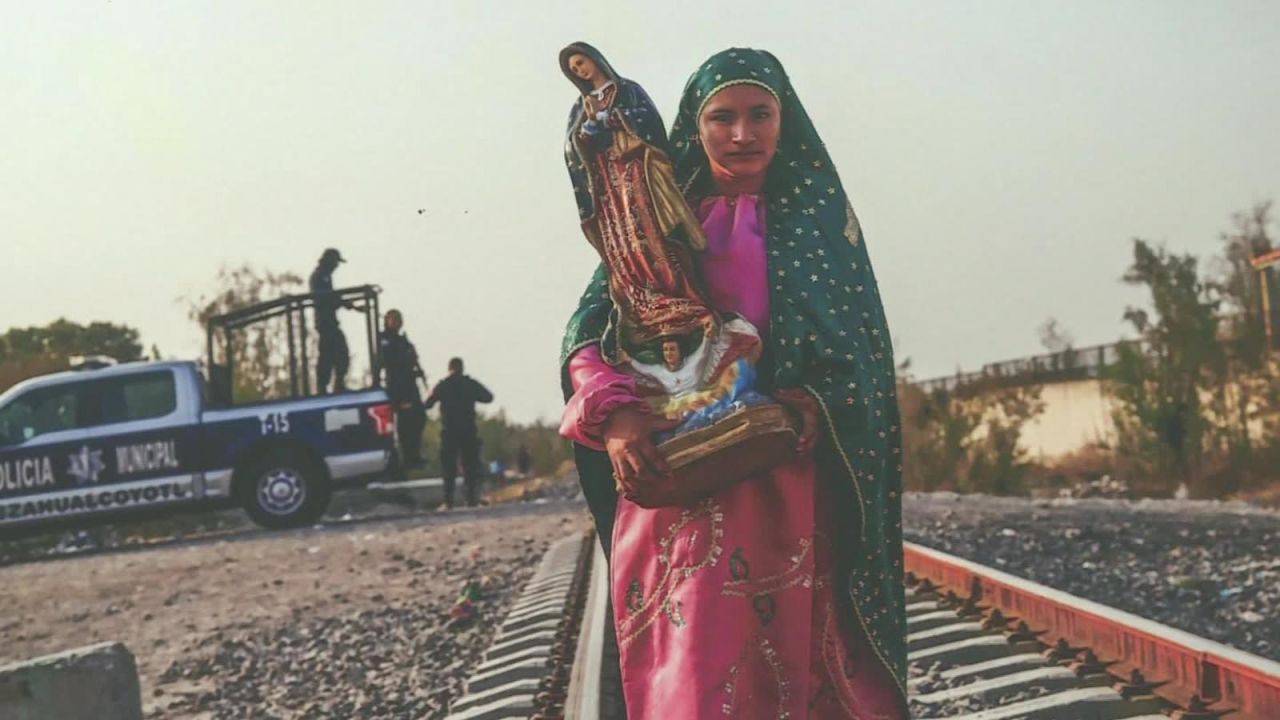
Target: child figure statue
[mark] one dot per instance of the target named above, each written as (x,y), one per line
(691,363)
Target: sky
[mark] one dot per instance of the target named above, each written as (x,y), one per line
(1001,156)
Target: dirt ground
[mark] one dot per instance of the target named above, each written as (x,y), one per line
(351,620)
(188,611)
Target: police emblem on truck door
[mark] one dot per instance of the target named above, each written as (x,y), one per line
(85,465)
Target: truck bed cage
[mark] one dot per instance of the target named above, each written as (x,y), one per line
(294,309)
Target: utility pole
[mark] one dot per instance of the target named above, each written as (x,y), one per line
(1261,264)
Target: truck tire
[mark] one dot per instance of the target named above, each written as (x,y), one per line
(284,489)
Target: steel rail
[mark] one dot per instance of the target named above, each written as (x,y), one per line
(1202,677)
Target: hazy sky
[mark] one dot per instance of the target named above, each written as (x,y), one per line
(1000,155)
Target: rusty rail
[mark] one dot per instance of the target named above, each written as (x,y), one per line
(1204,678)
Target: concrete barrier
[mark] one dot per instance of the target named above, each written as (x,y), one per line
(99,682)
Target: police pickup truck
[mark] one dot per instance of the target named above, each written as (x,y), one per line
(104,443)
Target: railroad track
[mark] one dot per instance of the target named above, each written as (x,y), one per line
(992,635)
(982,644)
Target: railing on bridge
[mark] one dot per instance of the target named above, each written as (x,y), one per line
(1071,364)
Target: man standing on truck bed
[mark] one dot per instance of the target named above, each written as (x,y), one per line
(457,395)
(400,362)
(334,357)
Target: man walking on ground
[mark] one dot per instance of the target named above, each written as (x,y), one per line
(457,395)
(334,357)
(400,364)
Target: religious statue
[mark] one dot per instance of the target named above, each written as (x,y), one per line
(690,362)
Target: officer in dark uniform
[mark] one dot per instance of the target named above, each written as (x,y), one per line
(524,461)
(400,366)
(457,396)
(334,357)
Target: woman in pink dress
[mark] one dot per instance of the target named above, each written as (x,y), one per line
(781,596)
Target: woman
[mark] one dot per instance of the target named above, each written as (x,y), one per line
(781,596)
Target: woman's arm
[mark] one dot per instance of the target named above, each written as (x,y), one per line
(598,390)
(800,402)
(605,413)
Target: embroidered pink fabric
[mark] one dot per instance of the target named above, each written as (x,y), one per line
(728,608)
(733,265)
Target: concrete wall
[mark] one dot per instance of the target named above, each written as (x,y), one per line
(1079,412)
(1076,413)
(99,682)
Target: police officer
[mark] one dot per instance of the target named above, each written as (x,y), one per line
(334,357)
(457,396)
(524,461)
(400,365)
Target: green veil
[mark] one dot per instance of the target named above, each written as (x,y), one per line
(827,334)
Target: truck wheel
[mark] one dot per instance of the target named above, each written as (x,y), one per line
(284,489)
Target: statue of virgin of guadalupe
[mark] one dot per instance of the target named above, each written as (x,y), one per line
(690,364)
(690,361)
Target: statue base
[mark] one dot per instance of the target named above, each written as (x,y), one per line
(706,461)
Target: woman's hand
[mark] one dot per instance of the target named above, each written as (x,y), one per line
(628,438)
(800,402)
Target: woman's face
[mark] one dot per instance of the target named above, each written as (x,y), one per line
(739,129)
(582,66)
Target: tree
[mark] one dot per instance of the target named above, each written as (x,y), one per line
(998,463)
(967,439)
(501,438)
(1060,342)
(1246,389)
(1158,381)
(1054,337)
(1239,283)
(261,361)
(937,434)
(39,350)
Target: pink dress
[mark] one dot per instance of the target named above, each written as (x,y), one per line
(729,608)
